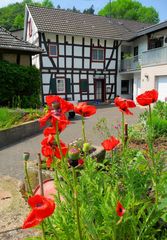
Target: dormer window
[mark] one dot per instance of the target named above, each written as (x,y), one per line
(30,27)
(53,50)
(97,54)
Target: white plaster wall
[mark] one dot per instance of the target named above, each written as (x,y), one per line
(77,97)
(87,51)
(77,88)
(97,65)
(86,63)
(136,85)
(91,89)
(76,78)
(152,72)
(61,49)
(46,62)
(111,65)
(91,79)
(69,39)
(68,62)
(34,38)
(46,78)
(77,63)
(45,89)
(35,61)
(77,40)
(69,50)
(84,97)
(61,62)
(78,51)
(83,76)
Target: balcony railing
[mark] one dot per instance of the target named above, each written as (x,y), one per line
(151,57)
(130,64)
(154,56)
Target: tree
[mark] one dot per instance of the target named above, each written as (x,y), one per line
(47,3)
(12,16)
(130,9)
(90,10)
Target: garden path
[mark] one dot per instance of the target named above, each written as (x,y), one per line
(11,162)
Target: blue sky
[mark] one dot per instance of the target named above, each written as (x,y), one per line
(159,5)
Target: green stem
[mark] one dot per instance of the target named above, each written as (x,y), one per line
(83,130)
(27,178)
(123,130)
(76,203)
(151,151)
(52,227)
(43,231)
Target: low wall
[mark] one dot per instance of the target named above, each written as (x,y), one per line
(12,135)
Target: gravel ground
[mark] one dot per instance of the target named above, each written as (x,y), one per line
(13,210)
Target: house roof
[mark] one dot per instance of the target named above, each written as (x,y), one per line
(150,29)
(78,24)
(11,42)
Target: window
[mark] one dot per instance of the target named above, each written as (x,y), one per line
(97,54)
(125,87)
(84,85)
(155,42)
(136,52)
(30,28)
(52,50)
(60,85)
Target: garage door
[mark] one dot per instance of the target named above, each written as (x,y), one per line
(162,88)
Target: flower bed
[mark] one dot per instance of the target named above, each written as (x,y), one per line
(123,197)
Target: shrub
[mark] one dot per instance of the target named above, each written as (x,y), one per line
(20,85)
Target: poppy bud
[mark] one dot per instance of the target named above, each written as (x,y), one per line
(55,105)
(73,153)
(86,147)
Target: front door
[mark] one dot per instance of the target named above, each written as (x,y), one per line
(99,89)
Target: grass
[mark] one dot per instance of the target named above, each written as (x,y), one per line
(13,117)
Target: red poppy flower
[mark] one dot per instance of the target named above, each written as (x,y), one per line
(110,143)
(42,208)
(120,209)
(47,151)
(49,161)
(49,130)
(64,150)
(43,120)
(147,97)
(84,110)
(62,122)
(80,162)
(49,140)
(62,104)
(124,104)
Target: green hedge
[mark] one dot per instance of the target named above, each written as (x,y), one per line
(19,85)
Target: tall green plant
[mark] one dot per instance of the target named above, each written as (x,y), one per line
(19,86)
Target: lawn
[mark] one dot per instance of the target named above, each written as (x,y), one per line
(12,117)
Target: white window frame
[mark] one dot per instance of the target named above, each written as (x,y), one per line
(53,45)
(60,89)
(97,59)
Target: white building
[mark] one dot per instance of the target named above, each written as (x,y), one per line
(85,56)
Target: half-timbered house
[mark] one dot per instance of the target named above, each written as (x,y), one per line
(81,52)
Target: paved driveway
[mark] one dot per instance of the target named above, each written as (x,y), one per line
(11,162)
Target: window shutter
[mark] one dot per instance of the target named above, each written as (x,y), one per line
(84,85)
(53,89)
(68,86)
